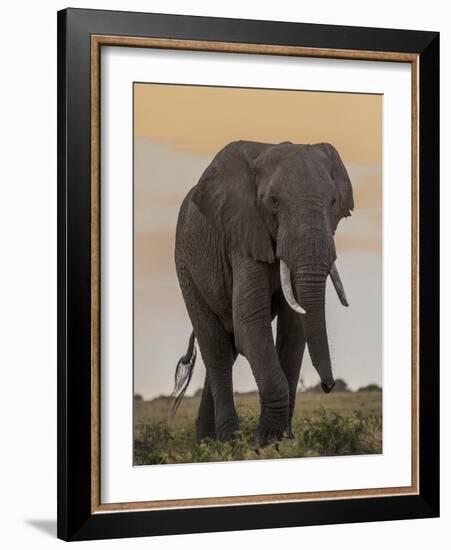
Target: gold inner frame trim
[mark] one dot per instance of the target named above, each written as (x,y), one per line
(97,41)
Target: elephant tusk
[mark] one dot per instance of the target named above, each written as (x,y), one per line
(334,275)
(285,279)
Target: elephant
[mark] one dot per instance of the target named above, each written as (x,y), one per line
(255,241)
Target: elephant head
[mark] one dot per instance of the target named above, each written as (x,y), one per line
(283,203)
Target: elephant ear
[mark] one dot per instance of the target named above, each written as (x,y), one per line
(342,182)
(226,195)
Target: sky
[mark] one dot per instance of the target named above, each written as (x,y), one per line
(177,131)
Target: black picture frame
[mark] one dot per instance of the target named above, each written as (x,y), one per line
(75,518)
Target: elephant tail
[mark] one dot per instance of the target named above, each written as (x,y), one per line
(183,374)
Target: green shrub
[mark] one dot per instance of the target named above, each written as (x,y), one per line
(324,433)
(331,434)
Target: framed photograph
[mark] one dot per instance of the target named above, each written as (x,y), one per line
(248,274)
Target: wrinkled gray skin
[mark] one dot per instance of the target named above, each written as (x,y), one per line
(255,204)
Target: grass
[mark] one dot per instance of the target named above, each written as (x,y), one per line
(346,423)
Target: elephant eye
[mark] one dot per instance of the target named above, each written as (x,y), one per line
(334,202)
(274,202)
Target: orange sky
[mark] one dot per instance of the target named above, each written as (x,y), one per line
(202,119)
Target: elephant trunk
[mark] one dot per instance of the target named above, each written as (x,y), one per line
(285,278)
(310,288)
(311,256)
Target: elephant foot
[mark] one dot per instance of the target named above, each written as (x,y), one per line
(227,429)
(270,432)
(224,432)
(290,433)
(204,430)
(274,424)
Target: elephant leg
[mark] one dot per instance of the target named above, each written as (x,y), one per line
(290,346)
(218,353)
(205,423)
(254,338)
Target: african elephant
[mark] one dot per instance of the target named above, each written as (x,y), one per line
(254,241)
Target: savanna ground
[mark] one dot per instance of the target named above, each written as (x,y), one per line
(341,423)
